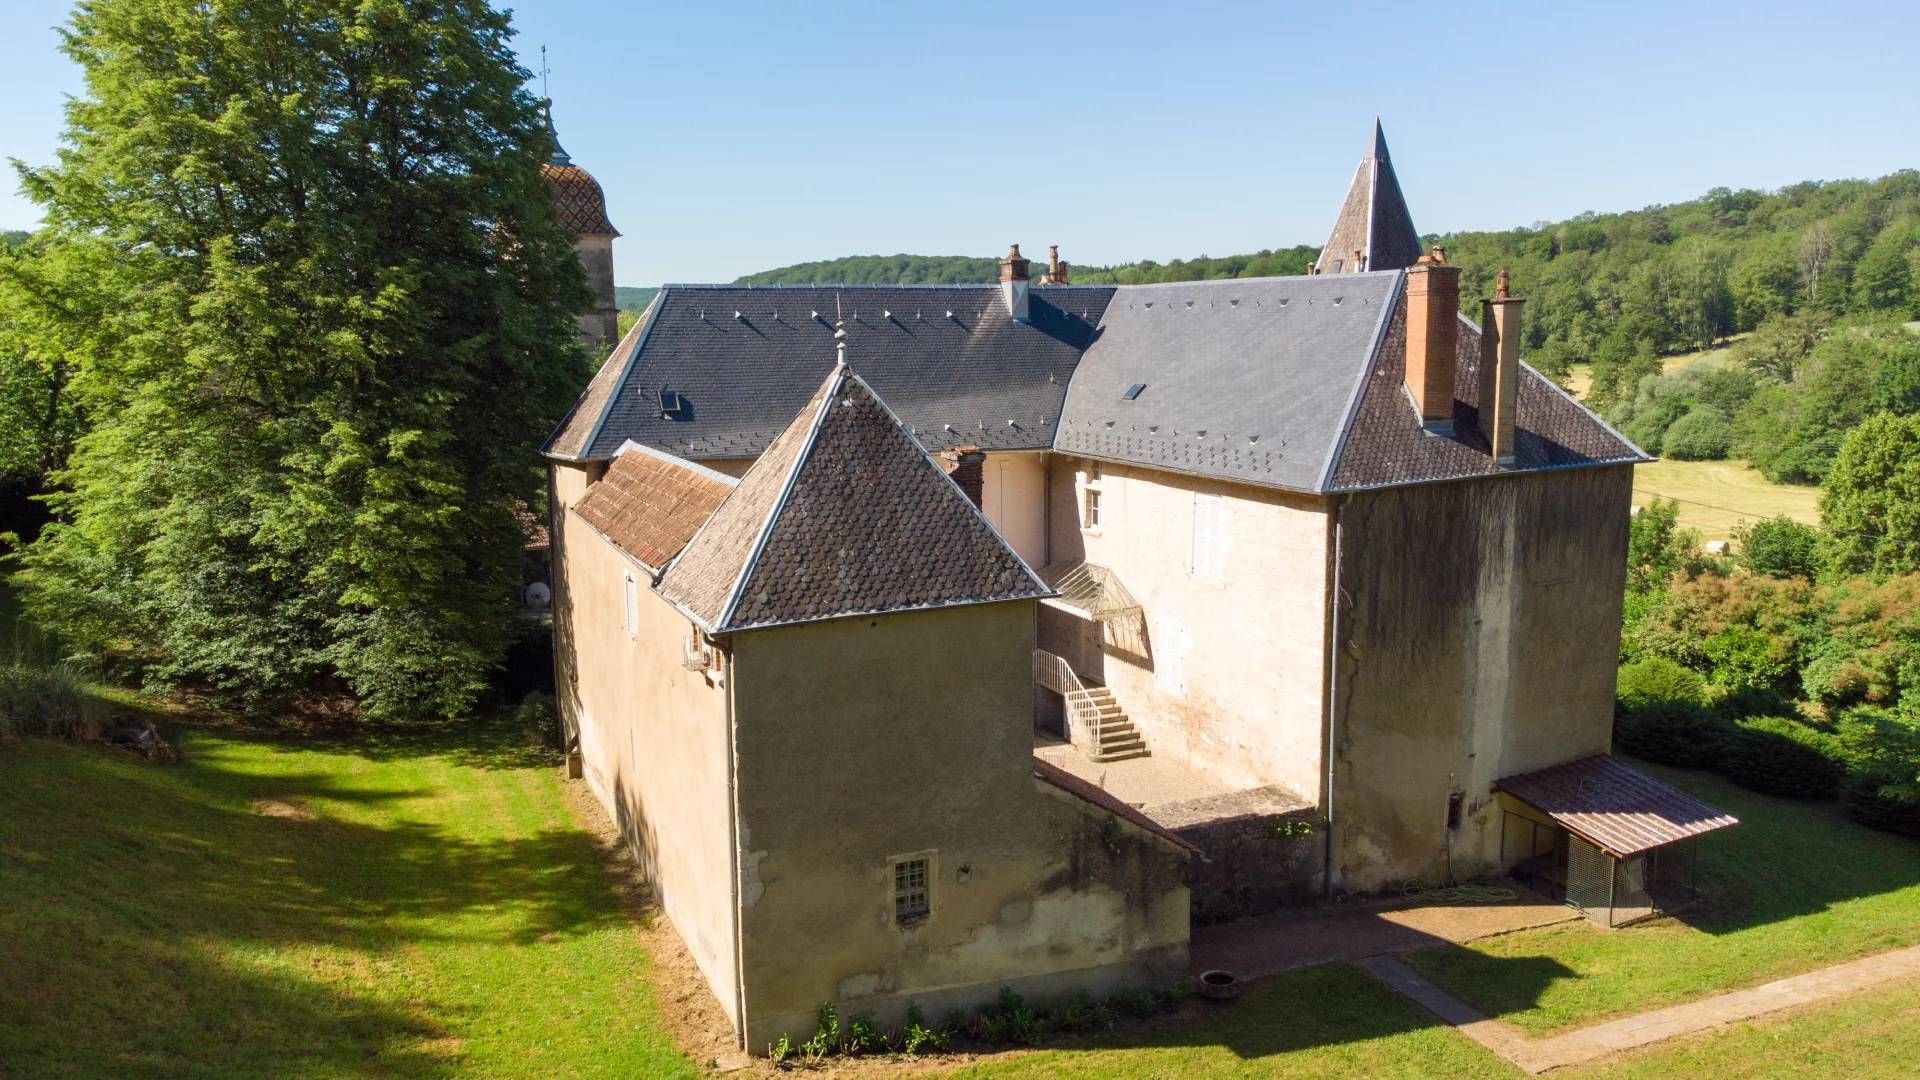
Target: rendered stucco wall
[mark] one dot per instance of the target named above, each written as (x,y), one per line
(1480,642)
(1013,497)
(862,740)
(653,737)
(1228,669)
(601,325)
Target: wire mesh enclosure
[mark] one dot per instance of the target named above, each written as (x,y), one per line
(1610,891)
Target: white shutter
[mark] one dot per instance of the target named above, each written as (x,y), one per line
(1208,527)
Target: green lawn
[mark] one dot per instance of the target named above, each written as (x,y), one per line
(425,906)
(1794,887)
(1715,496)
(268,909)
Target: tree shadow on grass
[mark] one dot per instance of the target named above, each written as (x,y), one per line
(212,917)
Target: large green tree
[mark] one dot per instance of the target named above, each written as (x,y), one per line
(335,325)
(1870,502)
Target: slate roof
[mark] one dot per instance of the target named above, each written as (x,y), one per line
(743,360)
(845,514)
(1385,445)
(1373,219)
(649,504)
(1614,806)
(1247,379)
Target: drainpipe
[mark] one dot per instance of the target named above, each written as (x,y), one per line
(1333,698)
(733,844)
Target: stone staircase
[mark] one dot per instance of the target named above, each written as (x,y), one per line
(1114,736)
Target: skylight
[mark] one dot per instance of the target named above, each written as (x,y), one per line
(1133,391)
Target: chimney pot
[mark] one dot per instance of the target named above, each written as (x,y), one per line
(1500,369)
(1433,339)
(1013,284)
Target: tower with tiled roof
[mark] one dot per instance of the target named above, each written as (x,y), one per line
(580,209)
(1374,230)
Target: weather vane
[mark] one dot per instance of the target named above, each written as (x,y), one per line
(544,70)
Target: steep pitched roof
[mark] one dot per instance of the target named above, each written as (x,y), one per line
(1373,220)
(649,504)
(741,360)
(1384,444)
(576,429)
(1247,379)
(845,514)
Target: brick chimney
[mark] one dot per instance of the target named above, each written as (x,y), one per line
(1013,283)
(965,465)
(1433,338)
(1056,270)
(1499,369)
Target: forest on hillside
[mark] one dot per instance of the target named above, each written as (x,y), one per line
(1619,290)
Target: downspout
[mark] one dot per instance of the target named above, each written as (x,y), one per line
(1333,698)
(733,846)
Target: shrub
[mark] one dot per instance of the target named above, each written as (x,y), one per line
(537,721)
(863,1037)
(918,1037)
(826,1033)
(48,699)
(1703,434)
(1681,733)
(1778,756)
(1780,547)
(1739,702)
(1886,797)
(1010,1020)
(1657,679)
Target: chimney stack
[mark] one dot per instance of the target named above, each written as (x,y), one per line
(1359,260)
(1499,369)
(1013,284)
(966,465)
(1433,338)
(1056,270)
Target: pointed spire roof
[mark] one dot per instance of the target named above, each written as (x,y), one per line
(560,155)
(1373,220)
(845,514)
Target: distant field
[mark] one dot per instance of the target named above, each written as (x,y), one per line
(1715,496)
(1580,380)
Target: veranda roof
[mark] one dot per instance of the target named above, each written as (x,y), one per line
(1613,806)
(1091,588)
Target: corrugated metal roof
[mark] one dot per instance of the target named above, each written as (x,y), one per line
(1614,806)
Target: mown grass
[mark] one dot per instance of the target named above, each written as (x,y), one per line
(1716,496)
(1333,1020)
(1795,886)
(271,908)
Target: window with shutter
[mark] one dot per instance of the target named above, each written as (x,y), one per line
(1209,527)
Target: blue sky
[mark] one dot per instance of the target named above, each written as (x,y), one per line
(733,138)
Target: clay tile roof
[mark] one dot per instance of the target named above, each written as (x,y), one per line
(1050,773)
(844,514)
(1384,444)
(570,438)
(650,504)
(1614,806)
(579,206)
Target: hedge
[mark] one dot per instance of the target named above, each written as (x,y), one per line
(1885,799)
(1671,732)
(1778,756)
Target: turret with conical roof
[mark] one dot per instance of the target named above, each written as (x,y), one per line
(1374,230)
(580,209)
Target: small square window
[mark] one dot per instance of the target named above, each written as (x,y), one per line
(1092,515)
(911,896)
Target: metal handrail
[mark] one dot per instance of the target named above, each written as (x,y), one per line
(1055,674)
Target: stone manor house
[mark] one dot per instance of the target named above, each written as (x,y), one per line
(928,640)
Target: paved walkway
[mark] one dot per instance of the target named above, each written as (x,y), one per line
(1302,937)
(1586,1044)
